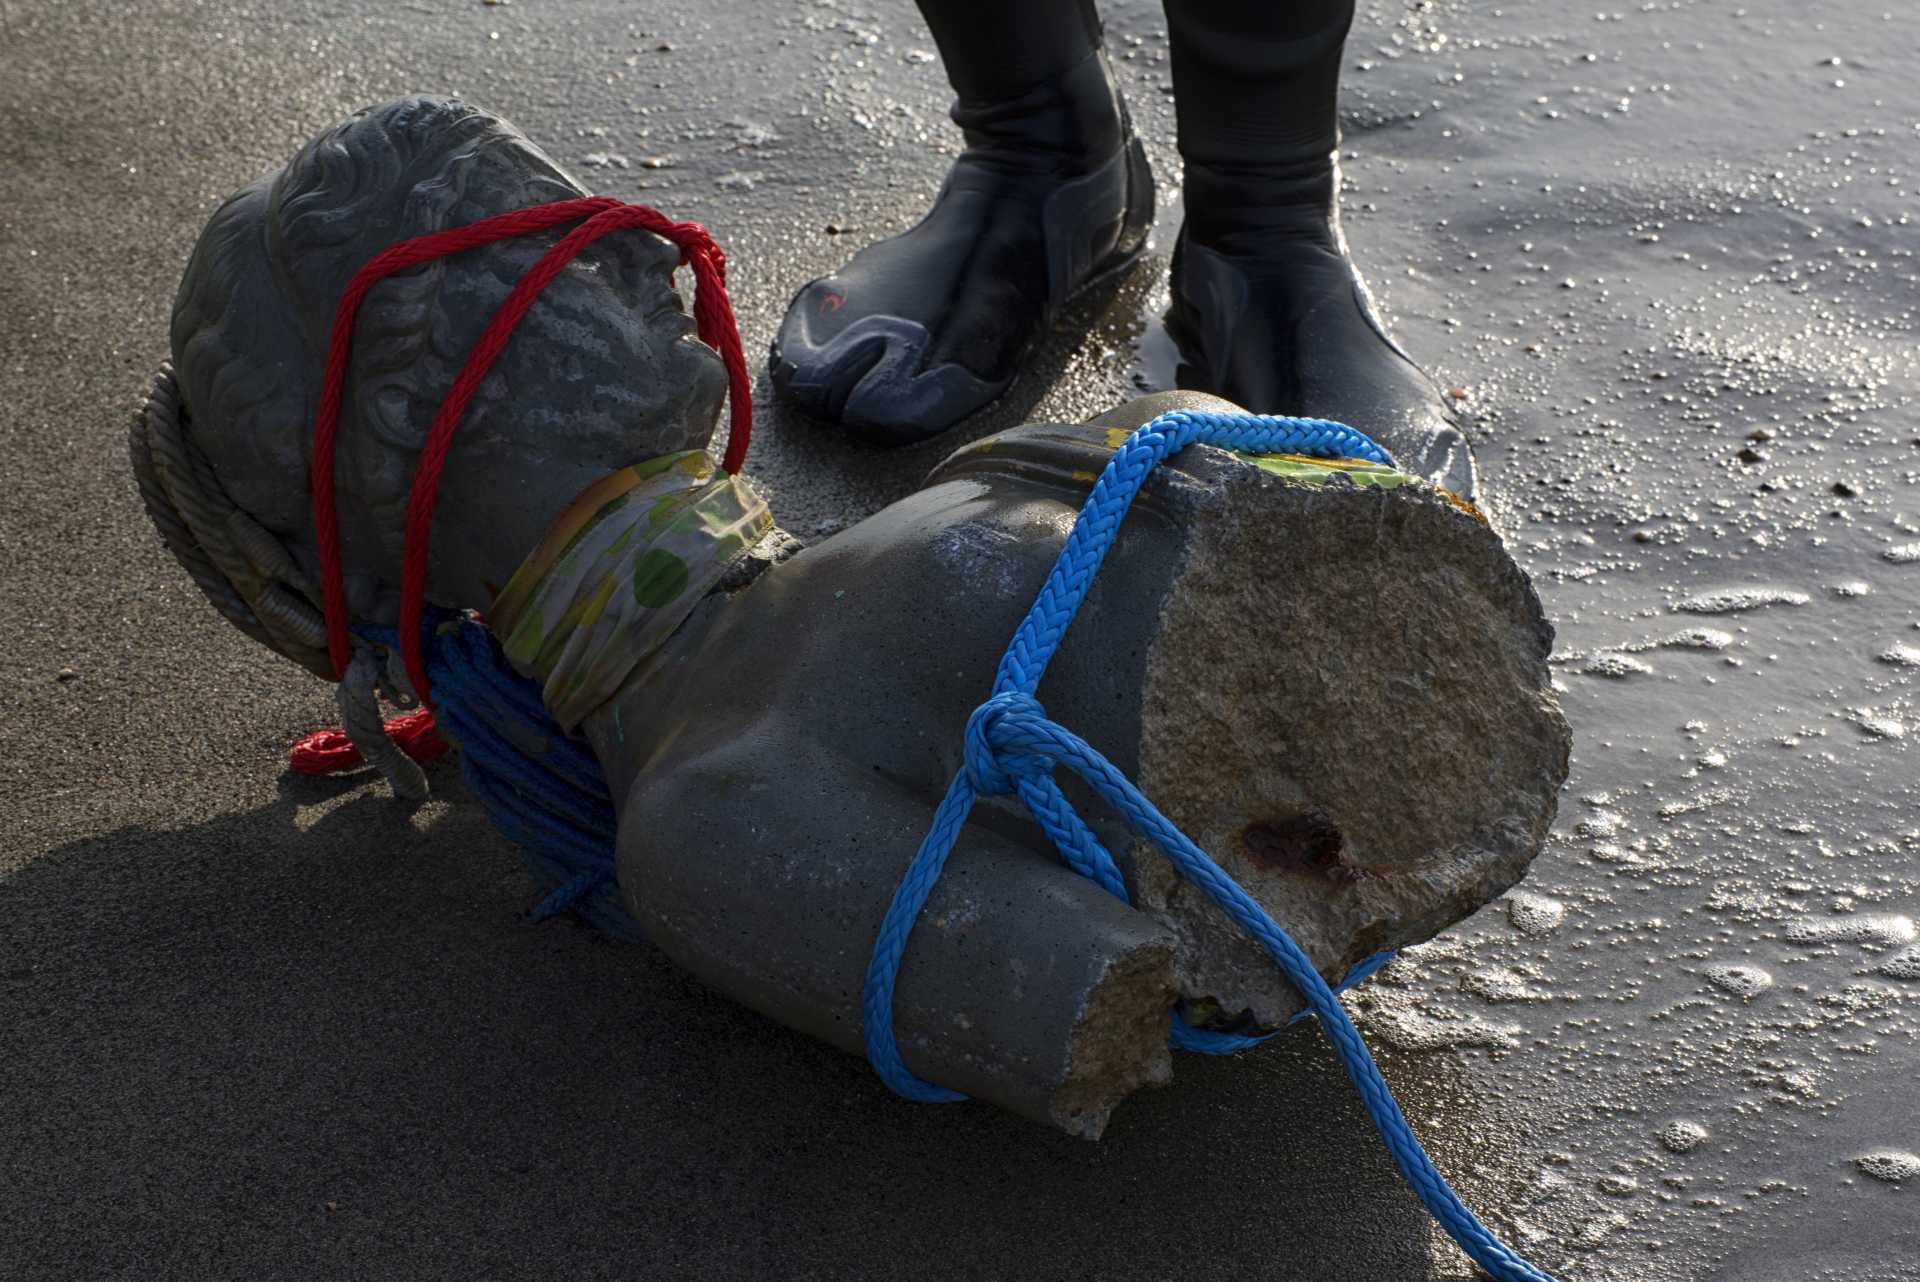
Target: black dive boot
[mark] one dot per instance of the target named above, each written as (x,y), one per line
(1268,309)
(1051,194)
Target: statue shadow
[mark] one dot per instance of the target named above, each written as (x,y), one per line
(319,1038)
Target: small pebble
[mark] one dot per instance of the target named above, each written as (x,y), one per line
(1607,664)
(1535,915)
(1881,930)
(1881,727)
(1698,639)
(1682,1136)
(1904,964)
(1890,1165)
(1602,823)
(1742,981)
(1733,600)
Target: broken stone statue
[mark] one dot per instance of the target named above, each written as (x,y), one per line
(1332,677)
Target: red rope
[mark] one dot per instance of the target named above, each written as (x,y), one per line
(328,752)
(713,317)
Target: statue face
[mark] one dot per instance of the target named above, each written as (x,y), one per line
(603,371)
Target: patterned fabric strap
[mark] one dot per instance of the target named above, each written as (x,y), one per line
(1298,467)
(621,568)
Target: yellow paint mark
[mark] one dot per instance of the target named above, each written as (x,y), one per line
(1465,505)
(1338,464)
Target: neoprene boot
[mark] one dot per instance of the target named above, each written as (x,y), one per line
(1051,194)
(1268,308)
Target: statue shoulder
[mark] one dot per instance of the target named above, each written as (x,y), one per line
(1067,458)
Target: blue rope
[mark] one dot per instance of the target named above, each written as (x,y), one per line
(1011,747)
(545,792)
(541,788)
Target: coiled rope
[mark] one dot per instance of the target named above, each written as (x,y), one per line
(1012,748)
(541,787)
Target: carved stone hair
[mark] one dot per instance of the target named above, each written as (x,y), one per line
(223,447)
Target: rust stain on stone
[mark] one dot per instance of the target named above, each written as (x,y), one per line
(1308,844)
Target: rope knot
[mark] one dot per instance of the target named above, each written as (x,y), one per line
(993,765)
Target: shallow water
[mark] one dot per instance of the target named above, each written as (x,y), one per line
(1667,253)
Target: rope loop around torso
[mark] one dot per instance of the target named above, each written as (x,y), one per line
(1012,746)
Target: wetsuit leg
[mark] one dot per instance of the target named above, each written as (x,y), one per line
(1051,192)
(1268,308)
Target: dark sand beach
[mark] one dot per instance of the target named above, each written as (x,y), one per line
(254,1025)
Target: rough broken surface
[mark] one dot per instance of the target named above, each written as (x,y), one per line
(1358,726)
(1104,1060)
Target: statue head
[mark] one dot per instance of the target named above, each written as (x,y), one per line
(603,372)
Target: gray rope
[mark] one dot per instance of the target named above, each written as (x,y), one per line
(251,578)
(244,569)
(366,728)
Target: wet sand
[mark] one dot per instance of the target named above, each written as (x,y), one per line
(260,1026)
